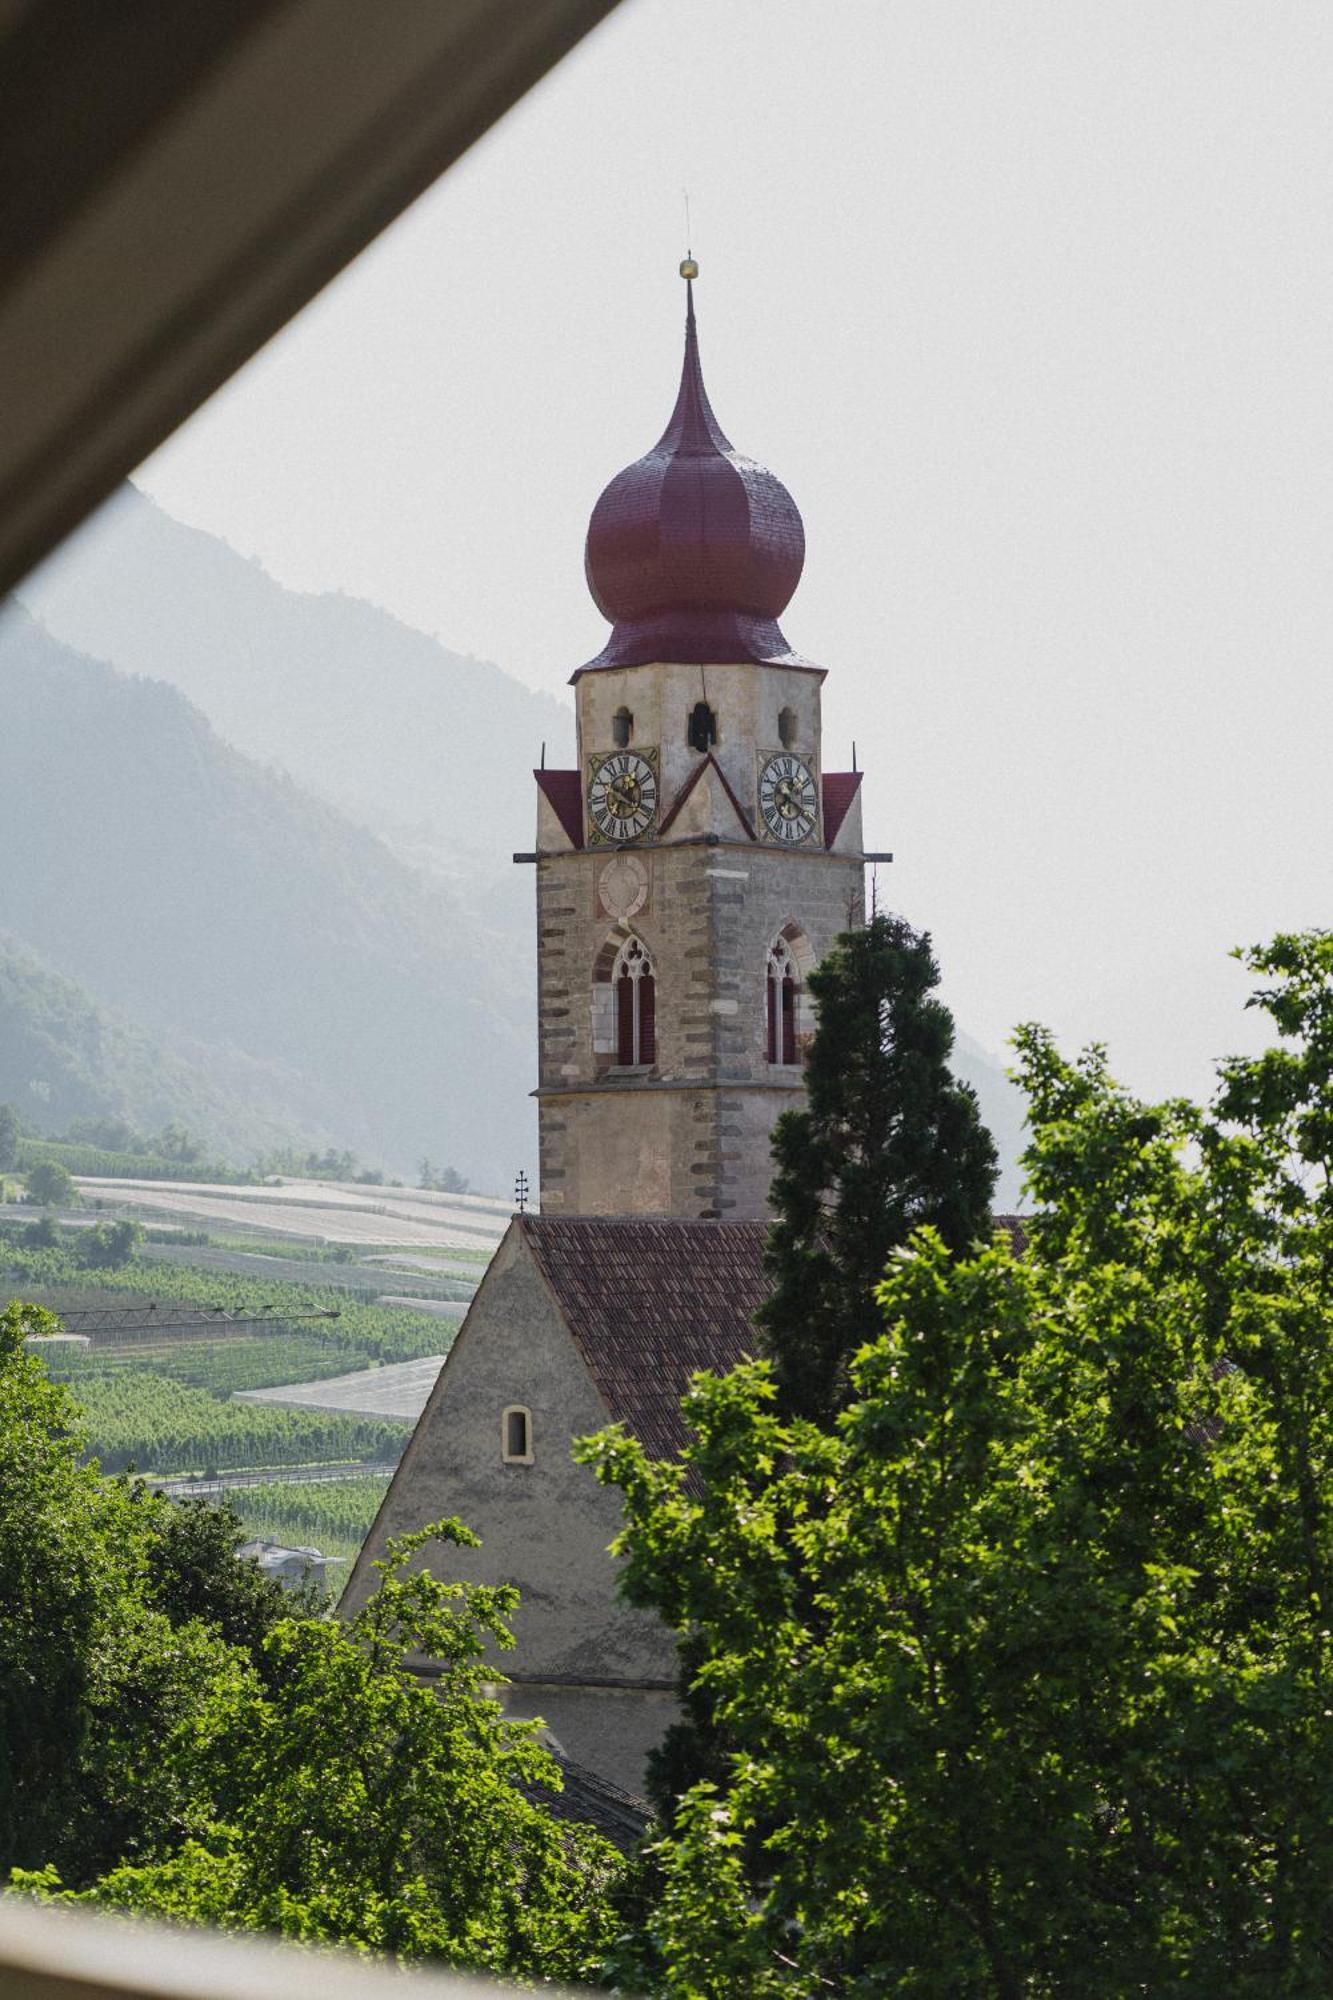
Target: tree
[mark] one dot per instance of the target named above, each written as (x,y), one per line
(193,1570)
(349,1802)
(92,1678)
(1025,1664)
(108,1245)
(10,1133)
(887,1142)
(50,1185)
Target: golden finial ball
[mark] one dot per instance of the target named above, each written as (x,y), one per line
(688,268)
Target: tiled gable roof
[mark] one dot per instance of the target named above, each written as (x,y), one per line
(651,1303)
(565,793)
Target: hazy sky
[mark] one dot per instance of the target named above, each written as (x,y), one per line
(1031,307)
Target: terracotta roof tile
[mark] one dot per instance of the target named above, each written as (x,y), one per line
(651,1303)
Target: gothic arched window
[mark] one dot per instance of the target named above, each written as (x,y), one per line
(787,727)
(782,987)
(622,727)
(636,1006)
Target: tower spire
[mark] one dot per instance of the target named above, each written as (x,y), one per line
(693,427)
(694,550)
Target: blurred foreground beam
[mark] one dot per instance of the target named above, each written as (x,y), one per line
(177,180)
(58,1954)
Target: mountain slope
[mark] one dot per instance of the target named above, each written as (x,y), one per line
(64,1056)
(213,901)
(379,720)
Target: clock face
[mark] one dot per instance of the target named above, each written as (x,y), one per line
(622,795)
(787,798)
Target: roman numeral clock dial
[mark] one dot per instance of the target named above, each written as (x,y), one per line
(622,795)
(788,799)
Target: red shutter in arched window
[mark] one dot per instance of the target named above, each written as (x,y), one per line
(789,1019)
(647,1018)
(624,1020)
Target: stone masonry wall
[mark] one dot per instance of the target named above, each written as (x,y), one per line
(675,1140)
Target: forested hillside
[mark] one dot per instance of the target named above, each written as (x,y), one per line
(242,923)
(64,1056)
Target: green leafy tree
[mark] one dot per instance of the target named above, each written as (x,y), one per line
(108,1245)
(1025,1664)
(173,1738)
(92,1677)
(349,1802)
(11,1132)
(50,1185)
(887,1142)
(193,1570)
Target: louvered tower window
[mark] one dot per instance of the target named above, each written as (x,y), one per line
(781,989)
(636,1007)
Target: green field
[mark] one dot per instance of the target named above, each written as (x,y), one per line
(158,1398)
(154,1424)
(232,1361)
(333,1518)
(361,1334)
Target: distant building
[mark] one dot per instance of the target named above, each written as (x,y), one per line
(290,1566)
(691,870)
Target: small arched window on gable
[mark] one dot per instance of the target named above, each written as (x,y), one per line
(781,991)
(635,992)
(622,728)
(516,1435)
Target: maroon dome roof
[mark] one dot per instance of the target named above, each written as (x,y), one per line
(693,552)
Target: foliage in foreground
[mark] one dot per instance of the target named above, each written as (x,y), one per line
(348,1803)
(173,1739)
(100,1658)
(886,1142)
(1028,1664)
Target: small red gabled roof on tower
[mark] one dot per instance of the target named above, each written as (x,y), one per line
(564,794)
(840,788)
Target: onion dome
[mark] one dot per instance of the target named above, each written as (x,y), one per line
(693,551)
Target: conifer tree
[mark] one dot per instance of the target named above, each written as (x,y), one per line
(887,1142)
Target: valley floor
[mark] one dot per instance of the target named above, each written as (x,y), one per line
(280,1361)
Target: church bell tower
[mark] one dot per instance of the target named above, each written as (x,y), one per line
(700,859)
